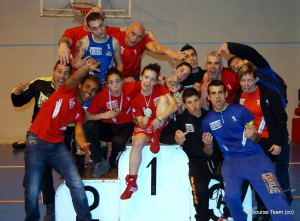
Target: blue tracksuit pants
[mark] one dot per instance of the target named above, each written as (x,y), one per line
(260,172)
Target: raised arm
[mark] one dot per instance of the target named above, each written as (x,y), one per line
(151,35)
(19,97)
(75,79)
(78,61)
(162,50)
(64,52)
(244,52)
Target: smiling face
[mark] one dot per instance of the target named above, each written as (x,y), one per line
(61,74)
(87,90)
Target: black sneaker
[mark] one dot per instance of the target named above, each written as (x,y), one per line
(262,217)
(19,145)
(49,216)
(100,169)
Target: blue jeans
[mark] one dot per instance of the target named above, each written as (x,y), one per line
(37,155)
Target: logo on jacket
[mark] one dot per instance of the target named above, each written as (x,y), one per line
(42,99)
(189,128)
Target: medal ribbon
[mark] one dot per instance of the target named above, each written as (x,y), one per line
(109,99)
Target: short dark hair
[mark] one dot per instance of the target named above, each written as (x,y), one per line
(188,92)
(154,67)
(188,47)
(184,64)
(111,71)
(68,65)
(216,83)
(94,16)
(230,60)
(92,77)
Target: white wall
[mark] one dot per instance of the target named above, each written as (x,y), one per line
(28,42)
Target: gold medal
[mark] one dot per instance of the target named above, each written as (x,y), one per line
(117,109)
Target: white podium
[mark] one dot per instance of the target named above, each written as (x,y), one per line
(164,191)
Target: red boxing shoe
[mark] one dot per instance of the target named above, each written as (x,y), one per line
(155,146)
(131,187)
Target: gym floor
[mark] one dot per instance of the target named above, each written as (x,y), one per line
(12,192)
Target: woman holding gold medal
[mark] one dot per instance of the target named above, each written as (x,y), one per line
(151,108)
(110,118)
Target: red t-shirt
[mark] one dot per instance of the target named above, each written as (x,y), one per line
(79,32)
(141,102)
(252,102)
(232,84)
(101,102)
(131,56)
(61,109)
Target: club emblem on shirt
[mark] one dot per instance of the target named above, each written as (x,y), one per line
(233,118)
(72,103)
(258,102)
(112,104)
(215,125)
(95,51)
(229,87)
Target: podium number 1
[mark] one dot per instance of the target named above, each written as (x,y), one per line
(153,164)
